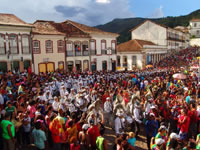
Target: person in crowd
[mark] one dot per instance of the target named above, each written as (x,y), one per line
(74,108)
(101,141)
(8,132)
(39,137)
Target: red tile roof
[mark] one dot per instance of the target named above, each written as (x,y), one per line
(45,27)
(133,45)
(89,29)
(12,20)
(70,30)
(195,20)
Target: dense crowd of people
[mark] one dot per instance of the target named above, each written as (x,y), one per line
(71,111)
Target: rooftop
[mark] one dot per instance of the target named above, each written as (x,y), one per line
(195,20)
(133,45)
(12,20)
(88,29)
(45,27)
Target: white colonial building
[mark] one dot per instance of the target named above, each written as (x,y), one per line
(90,49)
(150,43)
(137,53)
(160,35)
(195,28)
(15,43)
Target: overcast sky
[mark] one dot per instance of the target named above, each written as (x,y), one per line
(95,12)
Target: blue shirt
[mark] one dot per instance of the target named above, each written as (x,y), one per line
(187,99)
(151,127)
(132,141)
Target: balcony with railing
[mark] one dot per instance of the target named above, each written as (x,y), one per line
(78,53)
(70,53)
(175,39)
(103,52)
(93,52)
(113,51)
(2,51)
(85,53)
(26,50)
(14,50)
(125,64)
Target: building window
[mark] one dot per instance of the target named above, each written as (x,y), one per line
(36,47)
(2,44)
(69,49)
(77,47)
(118,61)
(13,43)
(49,46)
(103,47)
(125,61)
(92,47)
(113,46)
(103,44)
(195,24)
(25,44)
(104,65)
(85,48)
(134,60)
(197,31)
(60,44)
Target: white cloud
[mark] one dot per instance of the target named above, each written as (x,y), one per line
(90,12)
(157,13)
(103,1)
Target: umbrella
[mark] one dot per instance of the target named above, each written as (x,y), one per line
(179,76)
(194,67)
(149,66)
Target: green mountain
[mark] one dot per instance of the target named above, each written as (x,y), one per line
(123,26)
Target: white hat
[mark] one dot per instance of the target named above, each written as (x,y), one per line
(85,126)
(81,95)
(150,99)
(153,107)
(152,114)
(159,141)
(108,98)
(174,136)
(163,127)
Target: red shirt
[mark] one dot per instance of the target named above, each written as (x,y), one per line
(93,133)
(185,125)
(193,116)
(74,147)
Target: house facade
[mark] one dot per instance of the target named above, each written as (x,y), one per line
(160,35)
(194,28)
(15,43)
(150,42)
(73,47)
(48,47)
(97,49)
(138,53)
